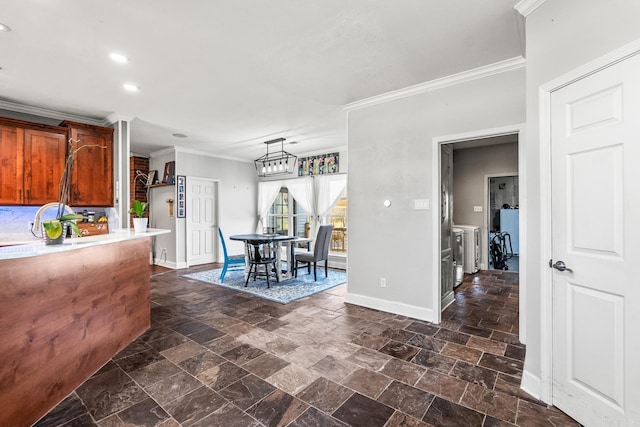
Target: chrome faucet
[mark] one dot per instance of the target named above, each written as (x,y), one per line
(36,226)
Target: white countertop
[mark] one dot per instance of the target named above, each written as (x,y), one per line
(39,248)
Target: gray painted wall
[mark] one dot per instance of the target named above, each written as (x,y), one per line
(237,201)
(237,191)
(470,167)
(390,157)
(561,36)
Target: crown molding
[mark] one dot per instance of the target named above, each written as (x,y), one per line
(454,79)
(50,114)
(525,7)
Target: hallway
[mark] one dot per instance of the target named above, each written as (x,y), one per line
(214,357)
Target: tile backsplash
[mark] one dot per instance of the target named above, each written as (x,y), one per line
(15,221)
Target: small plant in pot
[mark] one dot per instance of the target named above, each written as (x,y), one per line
(55,230)
(139,222)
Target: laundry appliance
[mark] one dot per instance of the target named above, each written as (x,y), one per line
(471,248)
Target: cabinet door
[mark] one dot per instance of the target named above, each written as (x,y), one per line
(92,177)
(44,154)
(11,161)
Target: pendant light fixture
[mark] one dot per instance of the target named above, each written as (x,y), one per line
(276,162)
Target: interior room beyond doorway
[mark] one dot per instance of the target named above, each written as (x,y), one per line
(476,165)
(504,222)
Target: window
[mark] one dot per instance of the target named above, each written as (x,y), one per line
(287,217)
(338,217)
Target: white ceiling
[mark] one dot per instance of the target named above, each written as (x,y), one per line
(232,74)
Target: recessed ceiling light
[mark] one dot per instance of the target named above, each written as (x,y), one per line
(130,87)
(4,27)
(179,135)
(120,59)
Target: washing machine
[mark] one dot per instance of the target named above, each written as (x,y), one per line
(458,255)
(471,248)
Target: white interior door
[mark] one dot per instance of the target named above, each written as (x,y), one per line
(595,152)
(201,220)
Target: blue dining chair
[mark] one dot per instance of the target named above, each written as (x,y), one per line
(228,260)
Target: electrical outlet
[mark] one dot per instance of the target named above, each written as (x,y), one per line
(477,208)
(383,282)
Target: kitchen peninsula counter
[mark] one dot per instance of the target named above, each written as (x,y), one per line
(38,247)
(65,311)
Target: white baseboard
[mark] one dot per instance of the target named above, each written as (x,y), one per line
(531,384)
(390,306)
(168,264)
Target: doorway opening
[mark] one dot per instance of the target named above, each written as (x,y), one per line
(474,157)
(503,222)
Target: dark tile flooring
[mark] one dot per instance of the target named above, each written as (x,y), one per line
(214,357)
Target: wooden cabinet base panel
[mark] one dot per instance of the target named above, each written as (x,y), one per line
(62,317)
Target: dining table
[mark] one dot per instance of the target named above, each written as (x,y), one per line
(279,240)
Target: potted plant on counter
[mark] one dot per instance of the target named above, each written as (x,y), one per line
(139,222)
(55,230)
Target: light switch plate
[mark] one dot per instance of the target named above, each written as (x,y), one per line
(421,204)
(477,208)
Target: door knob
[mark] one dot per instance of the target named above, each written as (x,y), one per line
(560,266)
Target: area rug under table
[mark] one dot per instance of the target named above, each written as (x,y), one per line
(282,292)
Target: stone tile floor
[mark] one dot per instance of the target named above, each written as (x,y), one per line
(214,357)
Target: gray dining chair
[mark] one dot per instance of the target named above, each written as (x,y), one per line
(320,252)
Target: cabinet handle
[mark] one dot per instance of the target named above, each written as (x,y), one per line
(28,196)
(20,195)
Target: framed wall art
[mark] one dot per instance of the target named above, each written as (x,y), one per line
(168,176)
(152,178)
(319,165)
(182,195)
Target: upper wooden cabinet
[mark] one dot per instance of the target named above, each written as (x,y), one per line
(92,177)
(32,160)
(11,160)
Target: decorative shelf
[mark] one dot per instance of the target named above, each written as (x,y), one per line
(160,185)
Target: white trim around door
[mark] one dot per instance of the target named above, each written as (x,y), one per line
(435,217)
(545,385)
